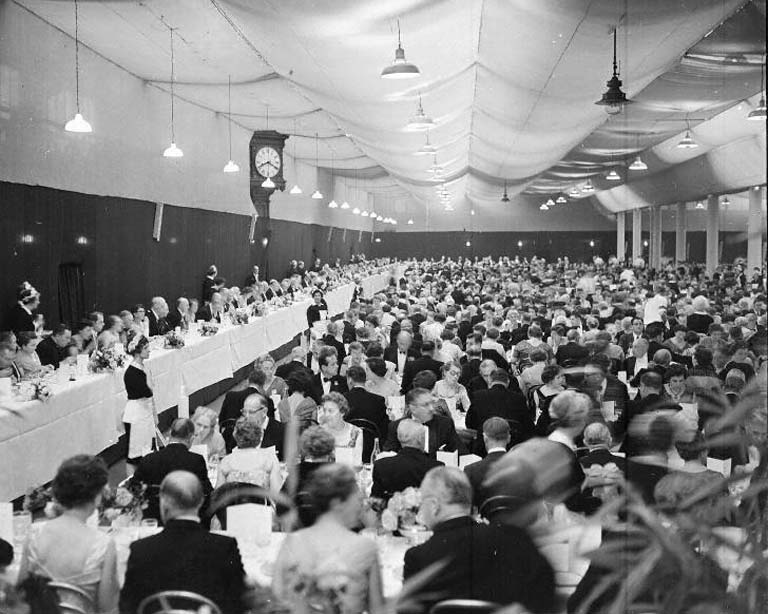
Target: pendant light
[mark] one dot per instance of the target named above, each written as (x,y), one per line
(759,113)
(550,203)
(574,192)
(420,121)
(687,142)
(588,187)
(638,165)
(172,151)
(427,149)
(364,214)
(356,211)
(317,194)
(400,67)
(231,166)
(544,207)
(410,222)
(77,123)
(505,196)
(726,201)
(295,190)
(333,205)
(700,205)
(613,175)
(344,205)
(561,200)
(614,98)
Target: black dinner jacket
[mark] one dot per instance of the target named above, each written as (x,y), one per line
(331,341)
(493,562)
(205,314)
(396,473)
(390,354)
(208,290)
(365,405)
(476,472)
(602,456)
(422,363)
(157,326)
(49,353)
(19,320)
(441,433)
(155,466)
(571,354)
(173,319)
(504,403)
(289,367)
(185,556)
(338,384)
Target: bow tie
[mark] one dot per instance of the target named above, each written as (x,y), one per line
(327,380)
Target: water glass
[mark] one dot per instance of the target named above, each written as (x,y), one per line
(148,527)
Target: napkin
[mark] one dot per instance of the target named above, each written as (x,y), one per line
(468,459)
(622,375)
(720,465)
(396,406)
(5,386)
(449,459)
(609,411)
(349,456)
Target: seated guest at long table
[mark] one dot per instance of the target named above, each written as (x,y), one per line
(496,436)
(184,556)
(66,549)
(492,562)
(27,359)
(299,404)
(206,433)
(366,406)
(439,431)
(248,463)
(52,349)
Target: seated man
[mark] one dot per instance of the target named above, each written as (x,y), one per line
(497,563)
(256,409)
(496,437)
(184,556)
(439,431)
(174,457)
(408,466)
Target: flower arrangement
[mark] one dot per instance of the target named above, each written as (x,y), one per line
(174,340)
(123,502)
(402,511)
(38,498)
(35,389)
(208,329)
(240,316)
(107,360)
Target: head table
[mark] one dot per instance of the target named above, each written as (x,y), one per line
(84,416)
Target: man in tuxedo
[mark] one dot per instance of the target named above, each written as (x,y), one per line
(572,353)
(402,352)
(496,436)
(158,325)
(176,456)
(256,409)
(184,556)
(232,407)
(8,367)
(213,310)
(209,283)
(51,349)
(610,399)
(177,317)
(332,338)
(499,401)
(298,358)
(425,362)
(482,380)
(253,277)
(492,562)
(439,431)
(364,405)
(408,467)
(598,440)
(328,380)
(627,340)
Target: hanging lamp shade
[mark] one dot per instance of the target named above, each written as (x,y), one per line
(638,165)
(505,196)
(613,175)
(700,205)
(614,98)
(561,200)
(296,190)
(231,167)
(400,68)
(268,184)
(333,204)
(344,205)
(687,142)
(544,207)
(172,151)
(77,123)
(550,203)
(379,218)
(420,121)
(726,201)
(409,222)
(574,192)
(356,211)
(317,195)
(427,149)
(364,214)
(588,187)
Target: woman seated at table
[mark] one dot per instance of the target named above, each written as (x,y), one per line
(329,549)
(27,360)
(273,385)
(66,549)
(83,336)
(248,462)
(378,380)
(675,388)
(449,388)
(331,414)
(298,405)
(354,358)
(206,432)
(110,336)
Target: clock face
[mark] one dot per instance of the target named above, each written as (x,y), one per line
(267,162)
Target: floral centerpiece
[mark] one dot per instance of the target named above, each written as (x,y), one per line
(123,505)
(174,340)
(208,329)
(402,511)
(107,359)
(240,316)
(36,389)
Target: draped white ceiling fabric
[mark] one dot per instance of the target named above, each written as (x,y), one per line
(511,85)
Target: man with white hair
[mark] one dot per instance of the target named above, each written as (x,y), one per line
(158,312)
(492,562)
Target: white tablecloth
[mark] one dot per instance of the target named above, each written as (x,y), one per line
(84,416)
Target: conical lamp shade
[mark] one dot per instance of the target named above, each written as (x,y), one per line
(268,184)
(231,167)
(638,165)
(317,195)
(78,124)
(295,189)
(173,152)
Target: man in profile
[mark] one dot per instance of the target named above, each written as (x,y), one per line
(184,556)
(492,562)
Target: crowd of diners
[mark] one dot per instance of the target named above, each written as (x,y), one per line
(596,372)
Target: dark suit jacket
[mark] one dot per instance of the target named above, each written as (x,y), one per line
(49,352)
(490,562)
(205,314)
(335,343)
(422,363)
(390,354)
(289,367)
(157,327)
(396,473)
(476,473)
(469,370)
(501,402)
(571,354)
(173,319)
(338,384)
(441,433)
(154,467)
(364,405)
(208,284)
(602,456)
(186,557)
(19,320)
(234,401)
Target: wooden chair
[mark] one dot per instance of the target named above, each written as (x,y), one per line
(464,606)
(72,599)
(165,602)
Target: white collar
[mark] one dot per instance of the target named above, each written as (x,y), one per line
(136,365)
(189,517)
(25,308)
(497,449)
(560,437)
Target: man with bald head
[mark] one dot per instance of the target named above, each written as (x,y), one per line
(408,466)
(184,556)
(157,314)
(401,352)
(298,361)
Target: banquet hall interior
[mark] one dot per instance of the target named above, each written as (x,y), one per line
(494,190)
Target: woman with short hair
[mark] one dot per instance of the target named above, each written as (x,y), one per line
(248,462)
(206,434)
(299,404)
(110,336)
(331,415)
(27,360)
(273,384)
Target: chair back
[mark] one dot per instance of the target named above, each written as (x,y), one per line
(72,599)
(464,606)
(370,432)
(177,602)
(232,493)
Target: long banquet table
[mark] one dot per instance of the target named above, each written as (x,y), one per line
(83,416)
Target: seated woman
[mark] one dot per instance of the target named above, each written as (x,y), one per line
(273,385)
(553,384)
(330,550)
(675,388)
(27,360)
(449,388)
(298,405)
(206,432)
(355,358)
(377,380)
(248,463)
(110,336)
(331,414)
(66,549)
(83,336)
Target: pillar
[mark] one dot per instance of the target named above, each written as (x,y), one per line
(654,251)
(637,237)
(755,229)
(713,233)
(681,234)
(621,229)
